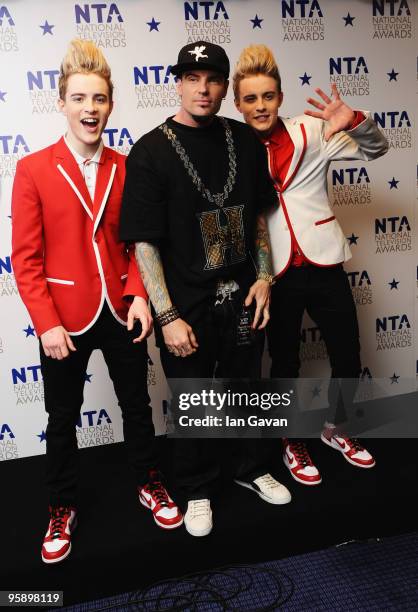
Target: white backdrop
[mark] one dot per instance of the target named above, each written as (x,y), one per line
(367,47)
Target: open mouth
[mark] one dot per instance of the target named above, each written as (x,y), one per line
(90,123)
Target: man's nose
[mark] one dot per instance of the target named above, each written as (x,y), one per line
(90,105)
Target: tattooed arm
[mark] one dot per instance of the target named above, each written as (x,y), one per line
(260,290)
(263,250)
(178,335)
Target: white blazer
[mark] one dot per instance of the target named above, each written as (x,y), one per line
(303,198)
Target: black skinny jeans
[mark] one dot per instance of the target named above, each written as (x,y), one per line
(324,292)
(63,387)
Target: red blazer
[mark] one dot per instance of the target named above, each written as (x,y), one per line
(66,253)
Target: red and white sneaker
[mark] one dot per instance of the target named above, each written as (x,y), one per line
(297,459)
(154,496)
(351,449)
(57,541)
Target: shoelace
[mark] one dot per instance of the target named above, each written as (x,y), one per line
(158,491)
(301,453)
(268,481)
(354,443)
(58,521)
(200,508)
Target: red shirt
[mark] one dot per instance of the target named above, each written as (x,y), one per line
(281,149)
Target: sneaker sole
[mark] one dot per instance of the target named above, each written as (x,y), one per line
(198,534)
(305,482)
(65,555)
(263,496)
(157,522)
(59,559)
(346,457)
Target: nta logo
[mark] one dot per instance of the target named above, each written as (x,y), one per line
(358,279)
(6,265)
(205,10)
(6,431)
(347,65)
(86,418)
(118,138)
(392,119)
(392,323)
(13,144)
(396,8)
(396,224)
(301,8)
(6,16)
(153,74)
(103,14)
(350,176)
(43,79)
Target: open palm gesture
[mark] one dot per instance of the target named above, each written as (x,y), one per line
(338,115)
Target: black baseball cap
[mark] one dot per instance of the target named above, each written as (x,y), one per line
(201,55)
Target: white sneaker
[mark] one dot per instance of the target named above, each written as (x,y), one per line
(268,488)
(198,518)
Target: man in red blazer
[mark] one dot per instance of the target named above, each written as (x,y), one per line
(82,289)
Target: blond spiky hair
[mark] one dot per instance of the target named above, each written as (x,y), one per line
(255,59)
(83,57)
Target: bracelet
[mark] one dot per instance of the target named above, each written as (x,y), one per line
(267,277)
(167,316)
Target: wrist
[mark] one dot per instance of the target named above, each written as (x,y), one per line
(167,316)
(265,276)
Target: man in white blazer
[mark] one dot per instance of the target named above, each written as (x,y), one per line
(307,243)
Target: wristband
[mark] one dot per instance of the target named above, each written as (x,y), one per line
(167,316)
(267,277)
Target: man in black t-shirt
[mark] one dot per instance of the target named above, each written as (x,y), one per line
(195,191)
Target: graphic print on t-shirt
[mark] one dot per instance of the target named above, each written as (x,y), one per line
(223,236)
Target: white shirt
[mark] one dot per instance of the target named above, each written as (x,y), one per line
(89,167)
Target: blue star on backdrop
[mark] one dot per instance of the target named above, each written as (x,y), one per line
(256,21)
(393,183)
(353,239)
(394,379)
(2,94)
(348,20)
(153,25)
(305,79)
(41,436)
(29,331)
(47,29)
(392,75)
(87,377)
(394,284)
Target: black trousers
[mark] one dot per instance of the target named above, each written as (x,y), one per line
(63,387)
(198,461)
(324,292)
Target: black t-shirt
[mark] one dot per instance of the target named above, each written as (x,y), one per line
(199,242)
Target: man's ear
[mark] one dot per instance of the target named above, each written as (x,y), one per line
(237,104)
(280,99)
(61,106)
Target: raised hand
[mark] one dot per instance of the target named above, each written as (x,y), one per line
(338,115)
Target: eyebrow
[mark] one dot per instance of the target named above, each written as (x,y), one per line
(249,95)
(84,94)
